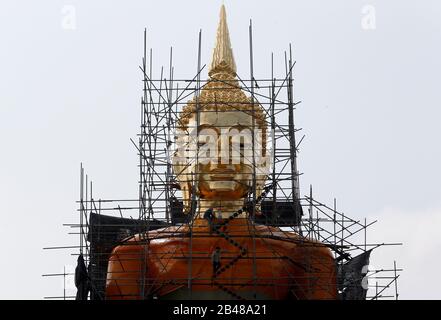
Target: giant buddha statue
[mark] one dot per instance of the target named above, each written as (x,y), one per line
(221,163)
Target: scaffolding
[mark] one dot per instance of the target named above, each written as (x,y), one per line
(106,223)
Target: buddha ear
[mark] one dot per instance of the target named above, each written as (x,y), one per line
(259,190)
(186,197)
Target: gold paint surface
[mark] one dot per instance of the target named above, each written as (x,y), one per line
(223,109)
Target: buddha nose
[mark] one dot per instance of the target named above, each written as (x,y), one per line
(220,165)
(224,160)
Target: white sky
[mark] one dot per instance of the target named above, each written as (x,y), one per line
(370,110)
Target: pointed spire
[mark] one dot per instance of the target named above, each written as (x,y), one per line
(222,54)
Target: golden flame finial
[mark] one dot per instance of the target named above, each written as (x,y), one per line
(223,59)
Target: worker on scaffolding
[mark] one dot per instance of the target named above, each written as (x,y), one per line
(215,259)
(82,281)
(209,215)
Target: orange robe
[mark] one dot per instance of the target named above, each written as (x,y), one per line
(257,262)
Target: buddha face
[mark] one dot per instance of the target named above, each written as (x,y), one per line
(218,155)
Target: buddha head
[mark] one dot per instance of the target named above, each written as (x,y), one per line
(221,137)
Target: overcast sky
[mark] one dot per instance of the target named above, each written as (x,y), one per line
(370,92)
